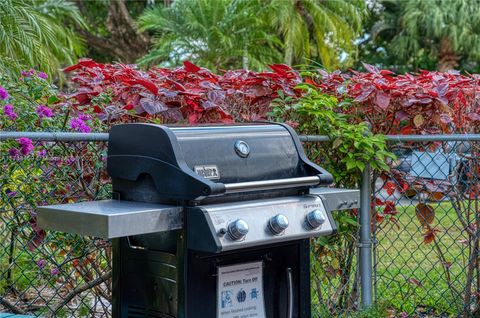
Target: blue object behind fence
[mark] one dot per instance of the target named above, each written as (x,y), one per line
(432,165)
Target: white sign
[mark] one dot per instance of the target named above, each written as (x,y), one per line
(240,291)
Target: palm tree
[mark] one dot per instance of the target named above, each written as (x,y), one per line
(216,34)
(317,29)
(34,33)
(445,30)
(223,33)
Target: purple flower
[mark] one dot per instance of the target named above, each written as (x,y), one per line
(84,117)
(31,72)
(41,263)
(11,193)
(54,271)
(79,125)
(42,75)
(42,153)
(26,146)
(44,112)
(70,160)
(8,111)
(14,153)
(3,93)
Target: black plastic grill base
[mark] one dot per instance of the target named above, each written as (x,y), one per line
(159,283)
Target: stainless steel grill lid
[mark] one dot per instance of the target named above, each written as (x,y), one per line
(157,162)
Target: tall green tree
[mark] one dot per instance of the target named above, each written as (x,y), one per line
(216,34)
(235,33)
(36,33)
(317,30)
(414,33)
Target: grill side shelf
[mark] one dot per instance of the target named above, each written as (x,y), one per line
(337,199)
(110,218)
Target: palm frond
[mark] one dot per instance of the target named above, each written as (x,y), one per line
(216,34)
(317,29)
(33,33)
(413,26)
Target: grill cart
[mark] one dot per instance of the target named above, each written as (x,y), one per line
(208,221)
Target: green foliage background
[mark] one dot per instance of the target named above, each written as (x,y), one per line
(350,148)
(38,33)
(402,35)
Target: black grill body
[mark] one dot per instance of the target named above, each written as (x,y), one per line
(151,283)
(218,180)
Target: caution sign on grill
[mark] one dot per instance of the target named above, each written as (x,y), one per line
(240,291)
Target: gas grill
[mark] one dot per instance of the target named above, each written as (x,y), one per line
(208,221)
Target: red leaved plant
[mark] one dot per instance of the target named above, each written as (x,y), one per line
(423,103)
(189,94)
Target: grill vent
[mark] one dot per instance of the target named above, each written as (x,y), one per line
(137,312)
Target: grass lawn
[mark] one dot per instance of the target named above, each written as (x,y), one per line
(410,278)
(410,275)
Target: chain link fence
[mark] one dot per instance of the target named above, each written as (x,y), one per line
(427,225)
(335,279)
(425,221)
(51,274)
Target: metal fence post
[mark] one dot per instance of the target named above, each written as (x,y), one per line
(365,244)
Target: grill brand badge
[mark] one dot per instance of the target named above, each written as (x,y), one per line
(208,172)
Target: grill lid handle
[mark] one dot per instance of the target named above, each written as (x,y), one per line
(277,184)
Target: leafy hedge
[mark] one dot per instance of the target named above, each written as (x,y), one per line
(423,103)
(189,94)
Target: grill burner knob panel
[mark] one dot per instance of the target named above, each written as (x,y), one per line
(224,226)
(315,219)
(278,224)
(238,229)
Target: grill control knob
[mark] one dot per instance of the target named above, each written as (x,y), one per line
(238,229)
(278,224)
(315,218)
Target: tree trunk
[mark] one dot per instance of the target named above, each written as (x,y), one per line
(245,58)
(124,42)
(447,57)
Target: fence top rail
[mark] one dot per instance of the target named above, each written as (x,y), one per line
(72,136)
(404,138)
(421,138)
(53,136)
